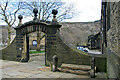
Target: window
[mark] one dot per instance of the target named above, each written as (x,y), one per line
(34,43)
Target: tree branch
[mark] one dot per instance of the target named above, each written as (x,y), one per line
(6,5)
(16,13)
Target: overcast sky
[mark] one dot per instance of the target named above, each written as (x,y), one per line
(85,11)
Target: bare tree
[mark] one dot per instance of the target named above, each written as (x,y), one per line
(44,13)
(8,12)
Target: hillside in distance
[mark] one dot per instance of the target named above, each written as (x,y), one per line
(78,32)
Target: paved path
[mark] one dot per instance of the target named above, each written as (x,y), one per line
(94,52)
(35,68)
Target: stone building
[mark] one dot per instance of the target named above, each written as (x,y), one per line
(33,39)
(111,37)
(3,33)
(94,41)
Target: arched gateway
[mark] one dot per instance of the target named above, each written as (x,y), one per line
(18,50)
(22,31)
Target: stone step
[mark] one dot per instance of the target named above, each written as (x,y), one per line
(76,67)
(74,71)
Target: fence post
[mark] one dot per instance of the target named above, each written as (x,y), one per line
(92,72)
(55,63)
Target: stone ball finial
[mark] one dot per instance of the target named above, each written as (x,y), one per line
(54,11)
(35,10)
(20,17)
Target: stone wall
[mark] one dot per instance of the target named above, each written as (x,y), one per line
(9,52)
(69,55)
(113,35)
(113,39)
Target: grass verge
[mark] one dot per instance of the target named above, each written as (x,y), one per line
(34,52)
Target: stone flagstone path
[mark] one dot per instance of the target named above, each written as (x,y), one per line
(35,68)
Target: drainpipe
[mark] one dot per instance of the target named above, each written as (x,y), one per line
(104,24)
(103,27)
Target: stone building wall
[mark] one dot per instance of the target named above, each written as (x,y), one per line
(32,37)
(113,34)
(113,39)
(3,33)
